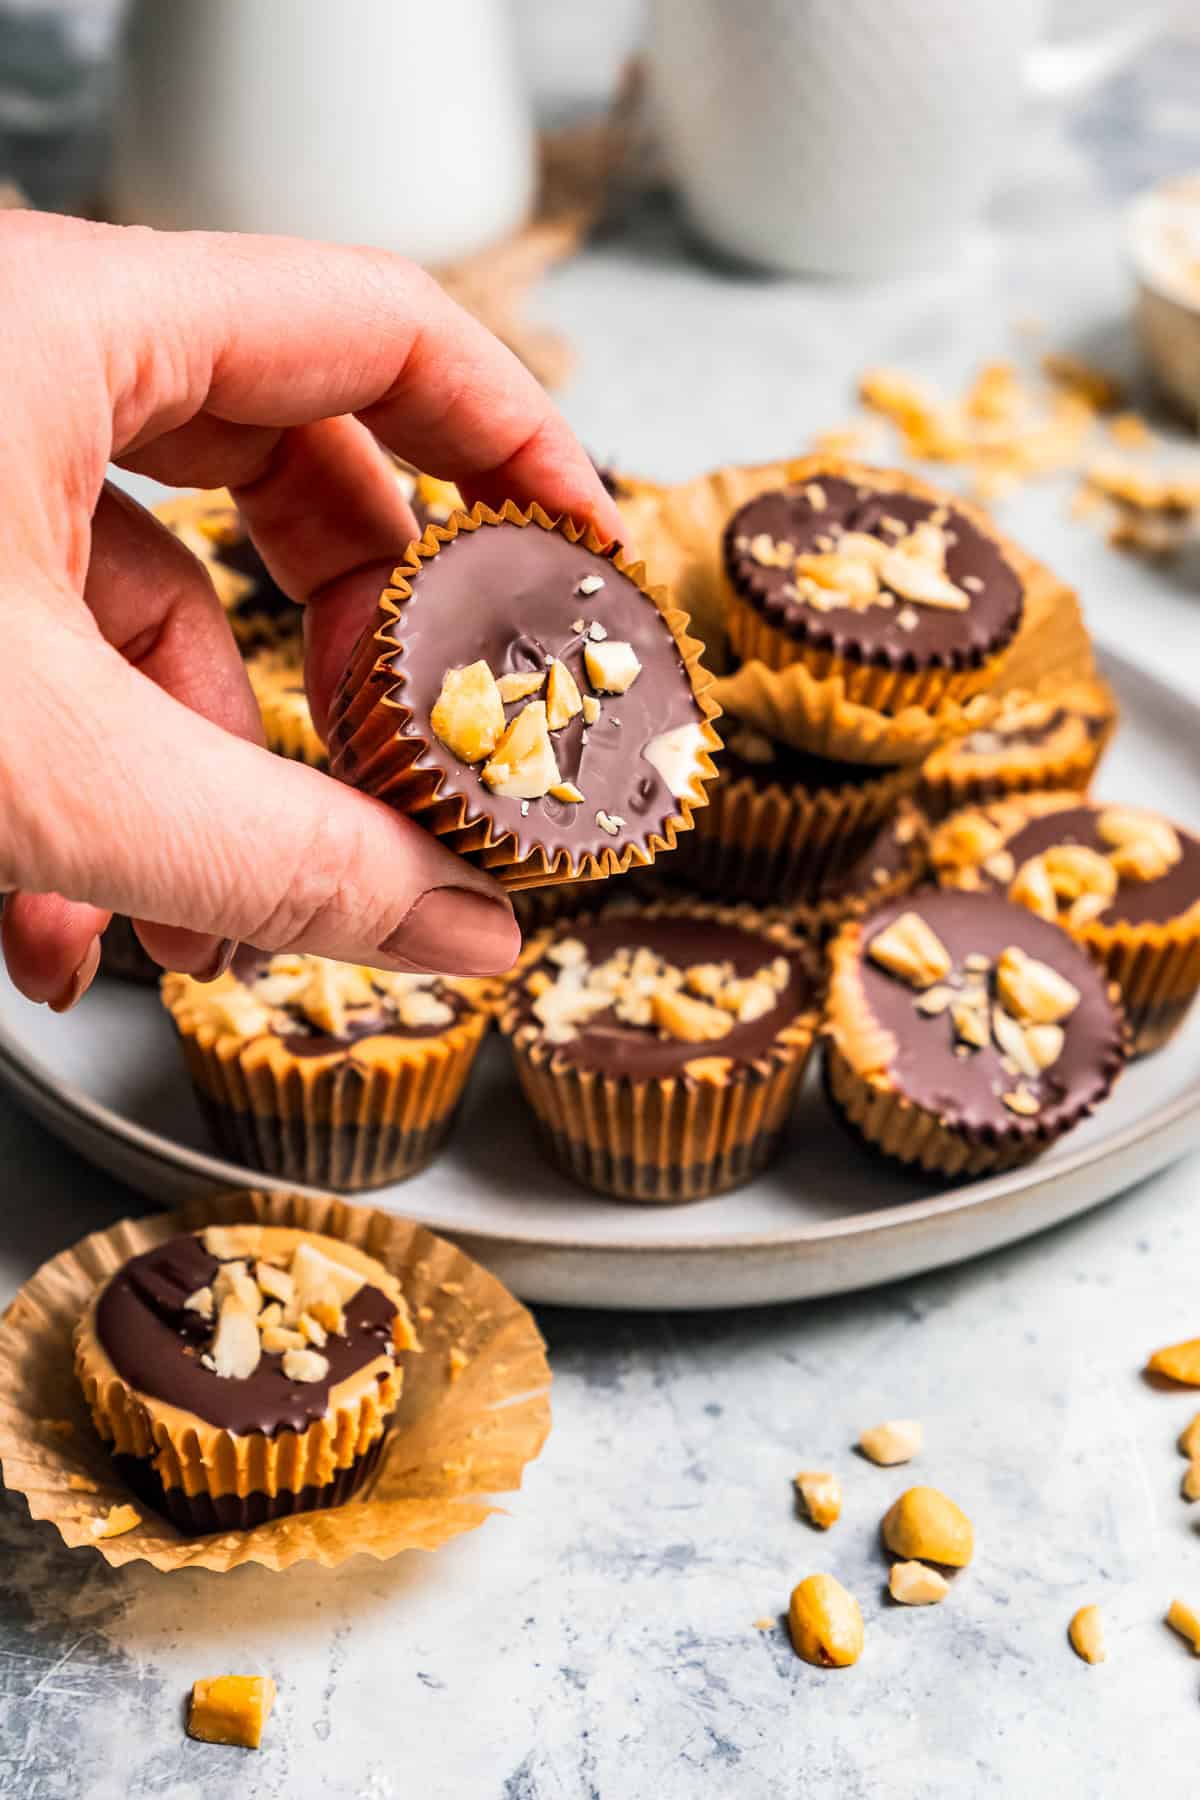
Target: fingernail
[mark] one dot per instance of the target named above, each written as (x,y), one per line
(219,961)
(80,981)
(456,931)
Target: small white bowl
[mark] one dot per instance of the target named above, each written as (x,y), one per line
(1163,240)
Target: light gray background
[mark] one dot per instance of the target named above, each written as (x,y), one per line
(600,1641)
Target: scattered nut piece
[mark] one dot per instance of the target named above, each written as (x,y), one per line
(910,949)
(231,1709)
(821,1493)
(523,765)
(935,1000)
(1086,1632)
(926,1526)
(676,756)
(201,1301)
(1181,1362)
(825,1623)
(1190,1486)
(236,1347)
(1186,1621)
(327,1310)
(116,1521)
(895,1441)
(1189,1440)
(563,699)
(457,1359)
(970,1023)
(566,790)
(277,1284)
(468,715)
(1032,991)
(520,686)
(313,1272)
(612,823)
(1019,1100)
(311,1331)
(691,1021)
(591,709)
(912,1584)
(1145,846)
(305,1365)
(612,668)
(277,1340)
(591,584)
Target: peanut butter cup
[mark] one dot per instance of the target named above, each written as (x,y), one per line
(660,1048)
(525,698)
(244,1372)
(869,576)
(276,675)
(963,1034)
(328,1073)
(1123,881)
(783,826)
(1034,742)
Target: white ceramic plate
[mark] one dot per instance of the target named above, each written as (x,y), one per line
(827,1217)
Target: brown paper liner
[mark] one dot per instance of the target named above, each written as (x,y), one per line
(1052,648)
(474,1410)
(374,740)
(955,777)
(192,1458)
(858,1056)
(778,845)
(122,955)
(860,893)
(277,678)
(794,706)
(672,1138)
(331,1121)
(1155,966)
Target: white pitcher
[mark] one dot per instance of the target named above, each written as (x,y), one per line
(390,122)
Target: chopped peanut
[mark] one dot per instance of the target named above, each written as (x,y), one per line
(926,1526)
(821,1493)
(1186,1621)
(468,715)
(909,948)
(1086,1632)
(825,1623)
(912,1584)
(1181,1362)
(897,1441)
(116,1521)
(231,1709)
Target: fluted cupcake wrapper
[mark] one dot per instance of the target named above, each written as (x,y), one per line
(332,1121)
(472,1413)
(946,788)
(782,846)
(1053,647)
(820,918)
(673,1138)
(796,707)
(1156,967)
(375,742)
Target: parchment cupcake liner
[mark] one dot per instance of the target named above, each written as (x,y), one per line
(277,678)
(795,707)
(778,844)
(195,1462)
(858,1055)
(329,1120)
(1053,647)
(374,743)
(473,1412)
(677,1138)
(122,955)
(1156,967)
(950,782)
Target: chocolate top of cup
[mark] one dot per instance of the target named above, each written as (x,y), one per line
(510,596)
(899,845)
(965,1086)
(611,1043)
(319,1008)
(1135,902)
(891,630)
(1029,725)
(749,755)
(157,1345)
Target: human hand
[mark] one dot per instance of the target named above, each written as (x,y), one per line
(132,777)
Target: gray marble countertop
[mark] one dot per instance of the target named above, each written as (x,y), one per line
(600,1640)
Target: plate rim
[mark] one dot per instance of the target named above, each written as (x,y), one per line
(26,1075)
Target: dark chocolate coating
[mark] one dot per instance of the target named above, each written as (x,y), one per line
(1026,737)
(155,1345)
(790,767)
(613,1048)
(1135,902)
(880,862)
(942,639)
(965,1091)
(506,593)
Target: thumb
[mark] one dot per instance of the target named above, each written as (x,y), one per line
(146,808)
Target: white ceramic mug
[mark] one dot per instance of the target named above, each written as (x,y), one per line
(390,122)
(849,137)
